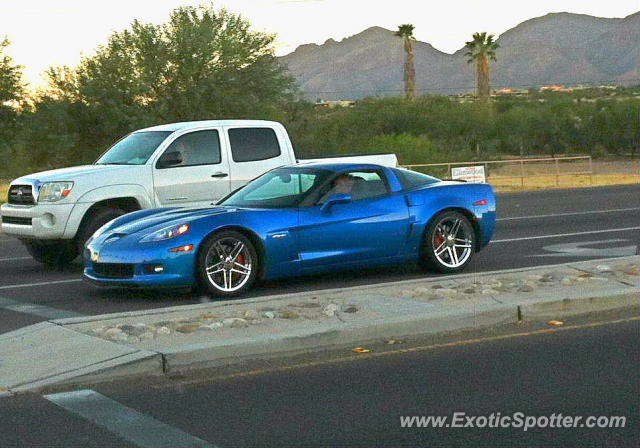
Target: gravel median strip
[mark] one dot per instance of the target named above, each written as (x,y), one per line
(220,333)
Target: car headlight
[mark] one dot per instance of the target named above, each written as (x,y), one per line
(166,234)
(54,191)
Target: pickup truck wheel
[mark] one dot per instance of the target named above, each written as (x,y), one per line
(449,243)
(98,217)
(52,253)
(227,264)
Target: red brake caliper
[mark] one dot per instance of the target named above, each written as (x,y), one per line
(240,260)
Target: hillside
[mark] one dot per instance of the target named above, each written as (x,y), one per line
(560,48)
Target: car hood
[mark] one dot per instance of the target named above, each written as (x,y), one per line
(165,218)
(76,172)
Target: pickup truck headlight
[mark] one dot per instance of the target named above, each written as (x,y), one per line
(54,191)
(166,234)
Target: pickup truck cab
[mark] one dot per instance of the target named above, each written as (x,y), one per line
(189,164)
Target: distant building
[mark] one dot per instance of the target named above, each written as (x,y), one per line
(337,103)
(508,91)
(556,88)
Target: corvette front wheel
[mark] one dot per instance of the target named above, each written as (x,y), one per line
(449,243)
(227,264)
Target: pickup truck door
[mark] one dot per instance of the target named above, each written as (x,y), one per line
(254,150)
(193,171)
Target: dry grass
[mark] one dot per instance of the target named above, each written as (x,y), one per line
(563,181)
(4,188)
(572,174)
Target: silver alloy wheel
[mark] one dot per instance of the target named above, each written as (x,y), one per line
(228,264)
(452,245)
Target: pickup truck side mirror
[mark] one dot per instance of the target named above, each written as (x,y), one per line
(340,198)
(169,159)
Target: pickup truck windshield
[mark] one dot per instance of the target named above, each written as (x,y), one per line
(280,188)
(134,149)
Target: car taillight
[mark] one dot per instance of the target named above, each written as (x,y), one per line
(482,202)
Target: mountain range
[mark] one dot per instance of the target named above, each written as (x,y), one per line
(558,48)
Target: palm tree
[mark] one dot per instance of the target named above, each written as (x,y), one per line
(482,49)
(406,33)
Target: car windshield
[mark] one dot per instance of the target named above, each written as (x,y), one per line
(134,149)
(280,188)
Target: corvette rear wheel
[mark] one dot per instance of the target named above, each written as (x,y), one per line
(449,243)
(227,264)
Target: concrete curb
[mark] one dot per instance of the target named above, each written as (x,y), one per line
(208,355)
(201,306)
(127,366)
(571,307)
(214,355)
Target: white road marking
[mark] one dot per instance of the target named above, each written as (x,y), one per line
(15,258)
(37,310)
(539,237)
(123,421)
(578,249)
(591,212)
(31,285)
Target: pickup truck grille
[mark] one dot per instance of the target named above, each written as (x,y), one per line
(16,220)
(21,195)
(113,270)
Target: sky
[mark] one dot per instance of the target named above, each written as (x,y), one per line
(48,33)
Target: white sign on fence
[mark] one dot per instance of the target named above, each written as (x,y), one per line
(471,174)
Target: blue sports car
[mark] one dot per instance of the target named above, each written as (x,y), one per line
(296,220)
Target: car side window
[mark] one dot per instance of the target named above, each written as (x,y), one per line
(358,184)
(196,148)
(285,185)
(251,144)
(412,179)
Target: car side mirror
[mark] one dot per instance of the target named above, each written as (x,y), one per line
(169,159)
(340,198)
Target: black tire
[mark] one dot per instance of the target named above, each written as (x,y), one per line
(210,257)
(97,218)
(52,253)
(452,254)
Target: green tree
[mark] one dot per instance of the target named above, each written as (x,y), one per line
(12,88)
(201,64)
(481,50)
(406,33)
(12,98)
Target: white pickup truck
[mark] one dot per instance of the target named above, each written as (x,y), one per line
(190,164)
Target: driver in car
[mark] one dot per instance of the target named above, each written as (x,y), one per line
(343,184)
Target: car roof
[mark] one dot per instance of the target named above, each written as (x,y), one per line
(335,166)
(172,127)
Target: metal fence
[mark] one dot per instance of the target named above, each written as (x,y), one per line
(550,170)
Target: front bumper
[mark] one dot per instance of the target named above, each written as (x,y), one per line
(178,268)
(138,281)
(43,222)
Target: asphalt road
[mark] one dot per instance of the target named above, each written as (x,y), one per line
(338,399)
(534,228)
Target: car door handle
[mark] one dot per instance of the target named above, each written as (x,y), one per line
(219,175)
